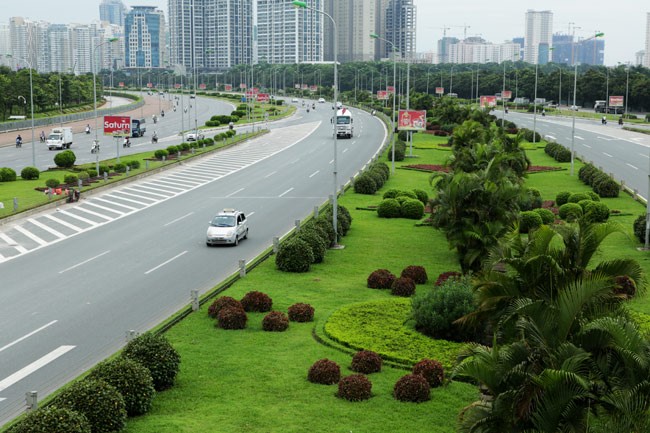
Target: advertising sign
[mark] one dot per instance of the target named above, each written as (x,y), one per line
(382,95)
(202,86)
(149,85)
(228,87)
(296,86)
(506,94)
(390,89)
(412,120)
(251,96)
(255,90)
(121,84)
(263,97)
(616,101)
(177,86)
(305,86)
(440,90)
(117,126)
(313,88)
(488,101)
(242,85)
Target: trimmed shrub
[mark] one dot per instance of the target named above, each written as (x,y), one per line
(586,172)
(131,379)
(625,286)
(366,362)
(275,321)
(431,370)
(29,173)
(119,168)
(52,183)
(344,219)
(83,175)
(593,196)
(65,159)
(222,302)
(160,154)
(570,211)
(316,241)
(325,372)
(173,149)
(412,388)
(417,273)
(529,220)
(607,188)
(389,208)
(91,172)
(412,209)
(301,312)
(365,184)
(184,146)
(403,286)
(378,165)
(255,301)
(547,216)
(327,227)
(101,404)
(639,228)
(381,279)
(532,199)
(562,198)
(70,179)
(294,255)
(391,193)
(409,194)
(52,419)
(157,354)
(421,195)
(134,164)
(445,276)
(596,211)
(231,317)
(577,197)
(7,174)
(378,177)
(355,387)
(103,169)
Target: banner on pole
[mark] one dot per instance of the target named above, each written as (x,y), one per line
(488,101)
(412,120)
(117,126)
(382,95)
(440,90)
(616,101)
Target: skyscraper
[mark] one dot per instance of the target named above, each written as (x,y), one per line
(400,27)
(355,20)
(144,37)
(538,37)
(112,11)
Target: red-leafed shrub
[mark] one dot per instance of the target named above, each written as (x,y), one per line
(440,133)
(445,276)
(625,286)
(256,301)
(366,362)
(413,388)
(275,321)
(416,273)
(380,279)
(301,312)
(403,286)
(222,302)
(232,318)
(431,370)
(325,372)
(355,387)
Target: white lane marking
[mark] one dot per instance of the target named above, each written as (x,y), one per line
(607,154)
(26,336)
(286,192)
(164,263)
(586,145)
(345,150)
(63,223)
(46,228)
(295,161)
(331,161)
(643,155)
(250,214)
(12,243)
(235,192)
(314,174)
(579,138)
(111,202)
(270,174)
(41,362)
(178,219)
(30,235)
(605,138)
(80,218)
(630,165)
(636,139)
(551,137)
(84,262)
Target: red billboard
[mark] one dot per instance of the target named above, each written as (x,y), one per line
(242,85)
(616,101)
(488,101)
(390,89)
(305,86)
(263,97)
(440,90)
(177,86)
(202,86)
(412,120)
(255,90)
(382,95)
(121,84)
(228,87)
(506,94)
(117,125)
(313,88)
(149,85)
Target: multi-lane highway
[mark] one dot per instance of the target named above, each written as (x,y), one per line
(77,278)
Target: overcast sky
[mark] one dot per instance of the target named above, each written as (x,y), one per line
(622,21)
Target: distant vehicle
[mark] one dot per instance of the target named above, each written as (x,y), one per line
(344,123)
(294,99)
(192,96)
(574,108)
(600,106)
(321,100)
(137,127)
(192,136)
(339,105)
(228,227)
(59,138)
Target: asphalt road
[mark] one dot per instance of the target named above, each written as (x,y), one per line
(77,278)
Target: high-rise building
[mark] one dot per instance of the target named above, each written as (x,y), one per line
(477,50)
(112,11)
(444,48)
(590,52)
(5,44)
(400,27)
(211,34)
(144,37)
(539,36)
(646,57)
(356,20)
(562,46)
(61,58)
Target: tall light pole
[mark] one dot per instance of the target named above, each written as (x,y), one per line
(303,5)
(503,99)
(535,106)
(573,126)
(31,103)
(627,88)
(376,36)
(451,79)
(95,97)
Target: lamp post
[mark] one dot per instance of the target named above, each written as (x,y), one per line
(451,79)
(428,72)
(95,100)
(376,36)
(503,99)
(535,108)
(573,126)
(627,87)
(31,103)
(303,5)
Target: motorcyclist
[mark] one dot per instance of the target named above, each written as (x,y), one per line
(604,120)
(42,136)
(127,142)
(620,120)
(154,118)
(543,112)
(162,113)
(87,129)
(231,125)
(95,147)
(374,112)
(154,137)
(19,141)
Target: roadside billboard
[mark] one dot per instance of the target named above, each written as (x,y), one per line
(412,120)
(117,126)
(440,90)
(202,86)
(149,85)
(616,101)
(506,94)
(488,101)
(242,85)
(228,87)
(382,95)
(177,86)
(263,97)
(121,84)
(313,88)
(390,89)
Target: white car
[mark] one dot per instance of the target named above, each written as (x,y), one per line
(228,227)
(321,100)
(294,99)
(192,136)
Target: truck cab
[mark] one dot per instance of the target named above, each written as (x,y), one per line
(137,127)
(600,106)
(59,138)
(344,123)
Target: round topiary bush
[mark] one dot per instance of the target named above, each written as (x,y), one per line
(422,196)
(412,209)
(562,198)
(607,188)
(381,279)
(546,215)
(570,211)
(231,318)
(52,419)
(412,388)
(70,179)
(389,208)
(402,286)
(447,275)
(301,312)
(625,286)
(134,164)
(365,184)
(529,220)
(101,404)
(355,387)
(52,183)
(30,173)
(325,372)
(391,193)
(7,174)
(327,227)
(366,362)
(596,211)
(431,370)
(119,168)
(382,166)
(160,154)
(103,169)
(157,354)
(65,159)
(577,197)
(294,255)
(173,149)
(316,241)
(256,301)
(343,217)
(417,273)
(592,196)
(131,379)
(83,175)
(408,194)
(378,176)
(275,321)
(222,302)
(639,228)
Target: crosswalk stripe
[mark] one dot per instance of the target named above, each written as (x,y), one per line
(140,196)
(63,223)
(30,235)
(112,202)
(46,228)
(80,218)
(130,200)
(141,187)
(12,243)
(92,203)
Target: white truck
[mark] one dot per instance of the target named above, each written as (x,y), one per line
(59,138)
(344,123)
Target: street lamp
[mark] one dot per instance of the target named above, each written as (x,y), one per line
(31,103)
(303,5)
(451,79)
(573,126)
(376,36)
(95,100)
(627,87)
(535,106)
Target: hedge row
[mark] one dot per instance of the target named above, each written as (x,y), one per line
(600,182)
(558,152)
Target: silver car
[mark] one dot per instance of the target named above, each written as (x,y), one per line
(228,227)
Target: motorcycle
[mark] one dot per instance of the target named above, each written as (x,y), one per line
(620,121)
(127,143)
(154,139)
(94,148)
(162,113)
(19,142)
(603,120)
(87,129)
(73,196)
